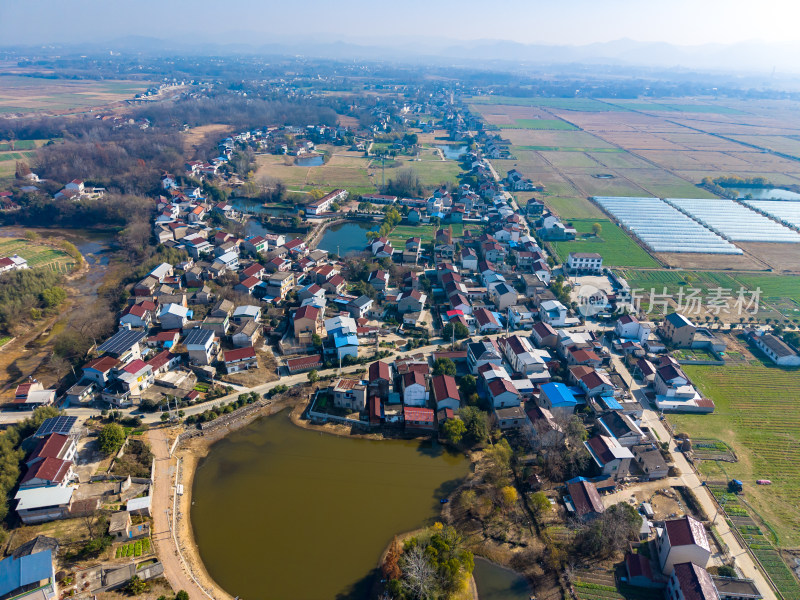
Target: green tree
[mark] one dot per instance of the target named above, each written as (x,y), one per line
(182,595)
(111,438)
(313,376)
(454,430)
(597,229)
(136,586)
(468,385)
(461,331)
(316,340)
(476,423)
(164,417)
(444,366)
(540,504)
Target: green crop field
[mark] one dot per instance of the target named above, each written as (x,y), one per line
(780,292)
(568,149)
(37,255)
(401,233)
(613,244)
(756,414)
(572,208)
(539,124)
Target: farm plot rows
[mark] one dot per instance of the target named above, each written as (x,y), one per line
(756,414)
(759,542)
(37,255)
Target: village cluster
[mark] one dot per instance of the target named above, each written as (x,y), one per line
(491,304)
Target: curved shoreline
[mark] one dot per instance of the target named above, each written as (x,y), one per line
(192,451)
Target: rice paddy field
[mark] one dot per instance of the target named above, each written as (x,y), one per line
(756,414)
(37,255)
(19,94)
(646,147)
(617,248)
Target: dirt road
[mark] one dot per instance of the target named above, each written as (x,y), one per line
(174,570)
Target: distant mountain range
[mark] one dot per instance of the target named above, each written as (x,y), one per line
(752,57)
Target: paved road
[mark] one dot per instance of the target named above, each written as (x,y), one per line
(688,477)
(174,570)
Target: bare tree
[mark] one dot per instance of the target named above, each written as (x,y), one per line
(419,576)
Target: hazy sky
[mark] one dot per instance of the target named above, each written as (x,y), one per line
(573,22)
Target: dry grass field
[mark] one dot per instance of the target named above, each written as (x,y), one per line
(346,170)
(30,94)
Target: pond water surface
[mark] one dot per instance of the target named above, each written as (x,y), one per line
(765,194)
(309,161)
(498,583)
(348,237)
(283,512)
(452,152)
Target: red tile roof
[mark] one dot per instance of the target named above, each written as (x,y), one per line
(379,370)
(134,366)
(444,386)
(304,362)
(413,413)
(103,364)
(239,354)
(160,359)
(49,447)
(585,498)
(686,532)
(499,386)
(49,469)
(307,312)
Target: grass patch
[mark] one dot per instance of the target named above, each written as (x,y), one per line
(401,233)
(613,244)
(755,414)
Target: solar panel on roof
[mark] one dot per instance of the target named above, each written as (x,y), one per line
(62,425)
(122,341)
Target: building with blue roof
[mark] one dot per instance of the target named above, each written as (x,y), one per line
(31,576)
(557,398)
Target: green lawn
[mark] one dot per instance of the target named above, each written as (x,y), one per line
(539,124)
(756,414)
(613,244)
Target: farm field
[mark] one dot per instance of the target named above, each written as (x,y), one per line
(577,104)
(539,124)
(37,255)
(345,171)
(430,172)
(779,298)
(614,244)
(755,414)
(572,208)
(32,94)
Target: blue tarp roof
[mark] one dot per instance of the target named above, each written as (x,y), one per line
(345,340)
(611,403)
(16,573)
(558,394)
